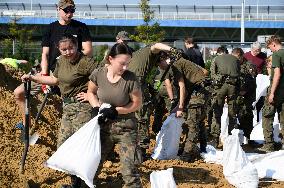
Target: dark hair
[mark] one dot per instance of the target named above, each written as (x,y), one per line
(240,53)
(189,40)
(222,50)
(119,48)
(68,37)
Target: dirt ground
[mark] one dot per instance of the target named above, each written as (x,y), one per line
(197,174)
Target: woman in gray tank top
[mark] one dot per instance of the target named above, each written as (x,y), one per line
(115,85)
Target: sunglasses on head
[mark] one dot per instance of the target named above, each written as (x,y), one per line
(68,9)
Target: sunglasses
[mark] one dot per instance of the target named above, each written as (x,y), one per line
(68,9)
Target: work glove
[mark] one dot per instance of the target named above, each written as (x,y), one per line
(107,114)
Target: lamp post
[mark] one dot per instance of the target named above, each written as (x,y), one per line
(257,9)
(243,22)
(31,5)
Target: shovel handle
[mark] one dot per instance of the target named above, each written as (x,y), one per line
(27,86)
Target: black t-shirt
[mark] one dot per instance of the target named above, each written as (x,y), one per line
(54,33)
(195,56)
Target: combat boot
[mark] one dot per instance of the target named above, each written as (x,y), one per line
(267,147)
(203,145)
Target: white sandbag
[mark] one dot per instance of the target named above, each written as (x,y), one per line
(212,155)
(269,165)
(224,123)
(262,83)
(80,154)
(257,132)
(237,168)
(167,140)
(163,179)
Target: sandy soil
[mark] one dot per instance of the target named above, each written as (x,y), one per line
(197,174)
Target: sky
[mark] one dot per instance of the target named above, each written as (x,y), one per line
(166,2)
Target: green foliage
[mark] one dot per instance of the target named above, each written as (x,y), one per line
(208,62)
(150,31)
(99,52)
(21,36)
(7,47)
(148,14)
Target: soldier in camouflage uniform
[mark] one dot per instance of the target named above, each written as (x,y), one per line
(144,64)
(274,101)
(247,93)
(210,113)
(193,97)
(225,72)
(115,85)
(71,75)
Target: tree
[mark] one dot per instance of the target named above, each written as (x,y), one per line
(16,43)
(150,31)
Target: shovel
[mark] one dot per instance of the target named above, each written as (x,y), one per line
(34,136)
(27,86)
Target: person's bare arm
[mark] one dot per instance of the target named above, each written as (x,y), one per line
(44,60)
(48,80)
(156,48)
(169,89)
(134,105)
(182,93)
(92,94)
(275,83)
(87,48)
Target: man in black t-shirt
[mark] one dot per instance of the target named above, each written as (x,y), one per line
(192,52)
(55,30)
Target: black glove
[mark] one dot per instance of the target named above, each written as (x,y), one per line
(107,114)
(95,111)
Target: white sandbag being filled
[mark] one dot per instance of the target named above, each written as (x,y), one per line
(163,179)
(237,168)
(257,132)
(80,154)
(224,123)
(262,83)
(167,140)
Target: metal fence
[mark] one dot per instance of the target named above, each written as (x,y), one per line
(208,49)
(162,12)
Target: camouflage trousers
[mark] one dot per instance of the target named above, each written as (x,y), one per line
(123,131)
(74,116)
(194,131)
(194,126)
(143,116)
(268,113)
(225,91)
(245,114)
